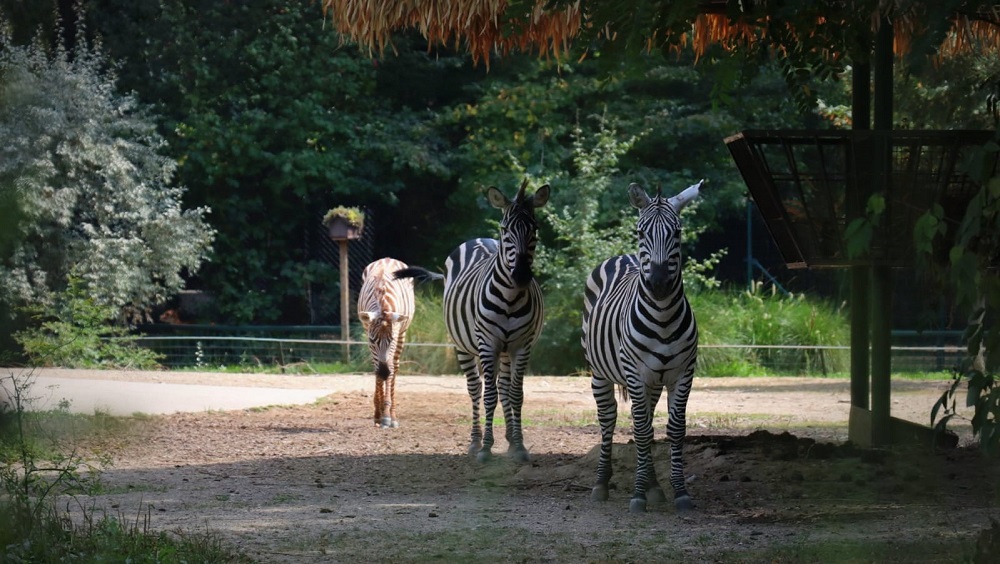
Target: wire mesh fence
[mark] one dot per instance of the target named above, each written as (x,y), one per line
(212,347)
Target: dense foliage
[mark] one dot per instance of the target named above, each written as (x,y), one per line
(272,122)
(89,191)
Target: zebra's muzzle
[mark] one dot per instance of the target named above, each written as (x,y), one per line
(382,370)
(661,280)
(522,271)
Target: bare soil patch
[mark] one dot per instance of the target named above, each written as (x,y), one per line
(767,462)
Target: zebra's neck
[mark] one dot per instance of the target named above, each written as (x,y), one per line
(499,279)
(662,309)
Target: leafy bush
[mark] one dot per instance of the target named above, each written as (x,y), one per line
(92,192)
(75,331)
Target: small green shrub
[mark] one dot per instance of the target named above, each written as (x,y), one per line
(76,332)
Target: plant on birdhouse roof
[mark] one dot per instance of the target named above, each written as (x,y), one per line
(354,216)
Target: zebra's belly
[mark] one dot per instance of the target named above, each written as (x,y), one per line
(624,365)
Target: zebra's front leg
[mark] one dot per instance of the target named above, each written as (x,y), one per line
(654,492)
(642,432)
(379,393)
(389,419)
(474,383)
(676,430)
(488,361)
(607,416)
(389,404)
(512,397)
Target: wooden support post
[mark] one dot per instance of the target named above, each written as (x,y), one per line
(345,302)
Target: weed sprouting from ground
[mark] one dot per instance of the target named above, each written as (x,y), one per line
(41,470)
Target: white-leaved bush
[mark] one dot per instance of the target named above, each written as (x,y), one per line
(94,192)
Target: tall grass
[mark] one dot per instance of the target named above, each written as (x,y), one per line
(752,318)
(763,317)
(428,327)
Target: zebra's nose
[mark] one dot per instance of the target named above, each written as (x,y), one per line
(522,270)
(661,275)
(382,371)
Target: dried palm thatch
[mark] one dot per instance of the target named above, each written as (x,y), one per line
(484,25)
(549,27)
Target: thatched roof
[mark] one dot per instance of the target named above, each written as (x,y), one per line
(486,27)
(483,26)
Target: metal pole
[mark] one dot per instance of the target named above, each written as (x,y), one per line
(881,310)
(749,244)
(861,118)
(345,302)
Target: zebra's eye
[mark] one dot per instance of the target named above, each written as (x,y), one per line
(640,233)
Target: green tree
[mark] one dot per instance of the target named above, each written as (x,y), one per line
(272,122)
(93,192)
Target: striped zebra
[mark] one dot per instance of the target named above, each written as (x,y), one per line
(493,311)
(385,308)
(639,333)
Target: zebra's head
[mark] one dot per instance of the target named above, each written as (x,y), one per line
(381,328)
(659,234)
(518,230)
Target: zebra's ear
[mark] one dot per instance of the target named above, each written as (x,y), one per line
(497,198)
(398,317)
(541,196)
(637,196)
(686,196)
(367,316)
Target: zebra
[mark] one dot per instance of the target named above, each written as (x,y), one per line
(385,308)
(639,333)
(494,312)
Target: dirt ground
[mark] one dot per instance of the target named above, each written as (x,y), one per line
(766,460)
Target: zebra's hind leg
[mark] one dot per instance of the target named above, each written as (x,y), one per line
(607,416)
(474,384)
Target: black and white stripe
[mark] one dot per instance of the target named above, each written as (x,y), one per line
(639,333)
(493,311)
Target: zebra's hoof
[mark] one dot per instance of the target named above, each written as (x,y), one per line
(519,455)
(484,456)
(599,493)
(683,503)
(395,423)
(637,505)
(474,448)
(387,422)
(655,495)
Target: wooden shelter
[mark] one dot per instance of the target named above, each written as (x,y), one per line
(866,34)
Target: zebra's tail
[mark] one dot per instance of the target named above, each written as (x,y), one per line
(417,273)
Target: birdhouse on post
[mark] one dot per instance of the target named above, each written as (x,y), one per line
(345,224)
